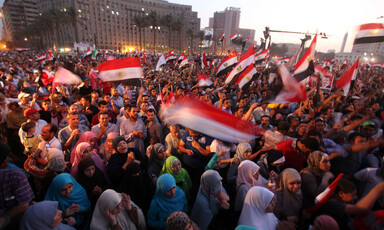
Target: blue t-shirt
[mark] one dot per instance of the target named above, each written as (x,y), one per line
(197,160)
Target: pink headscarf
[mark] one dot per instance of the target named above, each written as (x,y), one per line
(247,169)
(84,138)
(78,155)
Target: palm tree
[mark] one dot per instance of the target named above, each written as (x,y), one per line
(191,35)
(153,22)
(73,19)
(209,38)
(201,37)
(178,26)
(141,23)
(57,18)
(167,21)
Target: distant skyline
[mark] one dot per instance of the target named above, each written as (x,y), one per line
(333,17)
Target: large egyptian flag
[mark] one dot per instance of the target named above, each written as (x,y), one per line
(41,57)
(121,69)
(227,64)
(234,36)
(160,62)
(303,63)
(348,77)
(184,61)
(64,76)
(211,120)
(369,33)
(204,80)
(246,76)
(292,90)
(179,58)
(247,59)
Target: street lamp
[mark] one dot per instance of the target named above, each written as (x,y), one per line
(25,39)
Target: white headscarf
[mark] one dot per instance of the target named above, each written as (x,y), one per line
(253,213)
(110,199)
(246,171)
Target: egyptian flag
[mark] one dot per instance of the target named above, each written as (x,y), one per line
(211,121)
(20,49)
(183,62)
(142,58)
(247,38)
(180,58)
(136,51)
(227,64)
(246,77)
(121,69)
(292,90)
(246,60)
(64,76)
(204,63)
(324,196)
(49,57)
(41,57)
(303,63)
(261,57)
(88,52)
(348,78)
(47,77)
(300,77)
(222,37)
(160,62)
(204,80)
(170,57)
(369,33)
(234,36)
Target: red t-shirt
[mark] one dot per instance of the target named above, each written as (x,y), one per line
(293,158)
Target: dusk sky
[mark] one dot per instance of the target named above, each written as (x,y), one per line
(334,17)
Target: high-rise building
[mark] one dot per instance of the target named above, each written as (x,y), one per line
(228,21)
(17,15)
(110,24)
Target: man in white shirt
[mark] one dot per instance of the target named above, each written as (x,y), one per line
(49,141)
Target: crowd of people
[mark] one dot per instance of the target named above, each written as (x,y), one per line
(98,155)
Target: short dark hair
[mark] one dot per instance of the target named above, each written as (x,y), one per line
(151,111)
(103,113)
(315,133)
(283,126)
(28,126)
(53,128)
(87,98)
(102,102)
(106,94)
(127,107)
(345,186)
(133,107)
(311,143)
(265,116)
(13,103)
(353,136)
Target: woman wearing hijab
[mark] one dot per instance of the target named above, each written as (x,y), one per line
(289,198)
(84,150)
(248,177)
(173,166)
(90,138)
(258,208)
(243,152)
(92,179)
(168,199)
(325,222)
(315,178)
(119,161)
(55,166)
(180,221)
(106,149)
(156,162)
(43,216)
(210,198)
(116,211)
(72,198)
